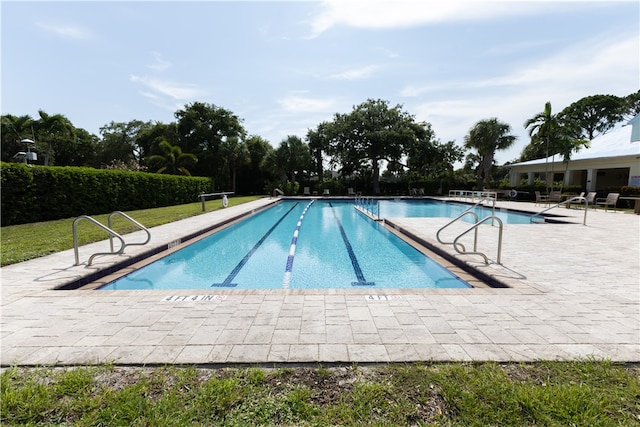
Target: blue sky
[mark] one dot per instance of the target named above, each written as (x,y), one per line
(283,67)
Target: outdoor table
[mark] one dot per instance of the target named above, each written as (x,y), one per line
(636,207)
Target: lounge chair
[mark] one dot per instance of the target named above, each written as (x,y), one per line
(307,191)
(350,192)
(325,192)
(540,199)
(610,200)
(591,199)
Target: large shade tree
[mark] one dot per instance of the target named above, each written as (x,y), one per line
(369,135)
(593,115)
(428,157)
(202,128)
(486,137)
(120,142)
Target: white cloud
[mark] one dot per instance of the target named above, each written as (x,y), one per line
(66,31)
(160,64)
(408,13)
(594,67)
(177,91)
(356,73)
(300,104)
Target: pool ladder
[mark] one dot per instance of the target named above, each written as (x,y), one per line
(459,247)
(577,199)
(111,232)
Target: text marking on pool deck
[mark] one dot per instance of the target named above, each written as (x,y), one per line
(180,298)
(383,297)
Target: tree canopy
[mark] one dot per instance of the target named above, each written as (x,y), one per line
(359,144)
(486,137)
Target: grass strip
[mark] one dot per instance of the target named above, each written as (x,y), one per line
(585,392)
(28,241)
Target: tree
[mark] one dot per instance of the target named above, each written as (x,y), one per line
(119,142)
(53,130)
(593,115)
(147,140)
(234,153)
(542,128)
(430,158)
(13,130)
(291,158)
(252,177)
(81,151)
(370,134)
(632,105)
(173,161)
(486,137)
(201,128)
(318,141)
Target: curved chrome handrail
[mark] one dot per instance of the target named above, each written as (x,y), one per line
(134,222)
(108,230)
(475,250)
(577,198)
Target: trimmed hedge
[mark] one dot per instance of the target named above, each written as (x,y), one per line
(45,193)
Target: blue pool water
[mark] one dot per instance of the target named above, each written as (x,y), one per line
(433,208)
(297,245)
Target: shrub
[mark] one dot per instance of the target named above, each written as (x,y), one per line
(44,193)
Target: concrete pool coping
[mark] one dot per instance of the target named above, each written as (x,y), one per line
(574,292)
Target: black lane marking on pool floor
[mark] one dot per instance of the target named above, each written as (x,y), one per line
(243,261)
(352,256)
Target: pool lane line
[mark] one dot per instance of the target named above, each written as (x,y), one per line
(352,256)
(292,249)
(243,261)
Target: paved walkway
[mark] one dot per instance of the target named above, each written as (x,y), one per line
(574,293)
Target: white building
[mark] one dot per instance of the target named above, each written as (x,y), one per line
(611,160)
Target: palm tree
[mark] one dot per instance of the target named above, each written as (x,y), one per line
(235,153)
(486,137)
(173,161)
(13,130)
(51,128)
(542,128)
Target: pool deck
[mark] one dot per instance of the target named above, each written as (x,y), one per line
(574,293)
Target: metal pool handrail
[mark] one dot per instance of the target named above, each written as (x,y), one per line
(577,198)
(366,204)
(134,222)
(111,232)
(468,212)
(475,249)
(108,230)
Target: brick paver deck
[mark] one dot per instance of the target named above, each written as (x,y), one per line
(574,293)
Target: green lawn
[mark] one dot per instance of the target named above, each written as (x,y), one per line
(586,393)
(27,241)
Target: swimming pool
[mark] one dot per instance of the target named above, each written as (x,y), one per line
(402,208)
(296,244)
